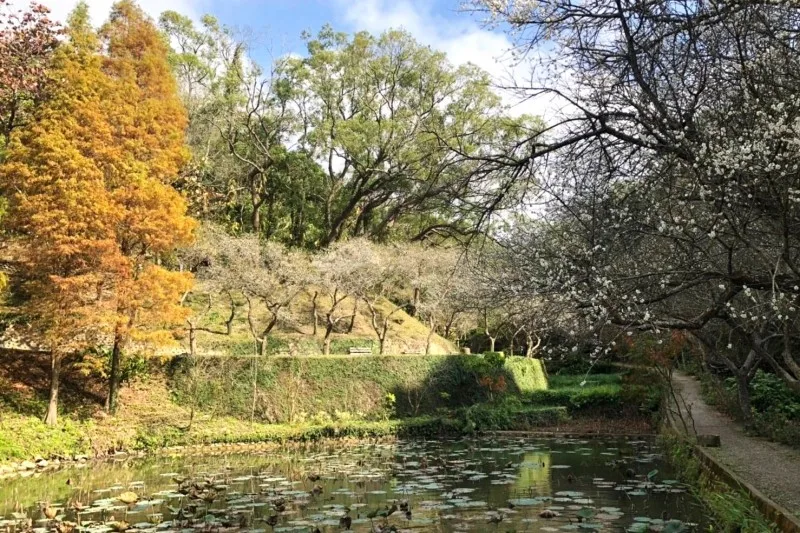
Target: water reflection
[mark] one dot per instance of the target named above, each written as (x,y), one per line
(504,484)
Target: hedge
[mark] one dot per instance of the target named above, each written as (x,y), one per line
(324,389)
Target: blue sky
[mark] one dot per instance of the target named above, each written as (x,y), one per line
(277,25)
(281,22)
(284,20)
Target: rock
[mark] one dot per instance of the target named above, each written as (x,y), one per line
(42,463)
(709,441)
(27,465)
(81,458)
(6,469)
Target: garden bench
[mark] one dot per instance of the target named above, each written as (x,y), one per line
(359,350)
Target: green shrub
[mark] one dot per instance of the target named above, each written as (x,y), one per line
(769,393)
(776,408)
(579,393)
(494,359)
(509,414)
(579,364)
(591,380)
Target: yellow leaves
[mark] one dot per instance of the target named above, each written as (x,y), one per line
(89,191)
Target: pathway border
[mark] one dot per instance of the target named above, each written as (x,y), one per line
(774,512)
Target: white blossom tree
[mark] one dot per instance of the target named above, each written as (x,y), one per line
(669,185)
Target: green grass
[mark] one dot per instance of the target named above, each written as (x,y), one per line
(598,391)
(230,431)
(528,374)
(23,437)
(27,437)
(326,394)
(510,415)
(561,381)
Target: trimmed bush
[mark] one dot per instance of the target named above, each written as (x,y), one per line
(599,391)
(528,374)
(509,414)
(495,359)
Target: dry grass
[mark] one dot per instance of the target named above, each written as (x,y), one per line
(295,328)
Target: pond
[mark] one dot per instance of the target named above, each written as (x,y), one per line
(485,484)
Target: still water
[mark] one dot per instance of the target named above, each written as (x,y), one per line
(497,484)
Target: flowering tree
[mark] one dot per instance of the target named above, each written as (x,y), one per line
(333,270)
(433,275)
(27,41)
(669,189)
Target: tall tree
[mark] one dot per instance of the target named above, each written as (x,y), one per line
(208,63)
(398,130)
(147,124)
(61,209)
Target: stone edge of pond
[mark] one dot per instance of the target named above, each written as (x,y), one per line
(572,434)
(772,511)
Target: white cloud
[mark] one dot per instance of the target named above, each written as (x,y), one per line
(461,37)
(99,9)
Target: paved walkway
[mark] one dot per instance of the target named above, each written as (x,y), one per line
(772,468)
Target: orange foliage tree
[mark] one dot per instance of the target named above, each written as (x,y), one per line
(148,123)
(61,209)
(89,192)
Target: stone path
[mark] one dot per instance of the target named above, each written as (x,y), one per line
(772,468)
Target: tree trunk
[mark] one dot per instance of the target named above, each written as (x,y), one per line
(255,389)
(326,346)
(743,390)
(314,312)
(491,343)
(192,340)
(51,417)
(431,325)
(255,218)
(353,317)
(381,345)
(256,201)
(326,341)
(229,322)
(415,302)
(113,377)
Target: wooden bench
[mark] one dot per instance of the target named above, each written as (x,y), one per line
(359,350)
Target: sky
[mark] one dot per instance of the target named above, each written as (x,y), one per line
(279,23)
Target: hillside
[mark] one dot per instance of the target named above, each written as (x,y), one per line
(294,332)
